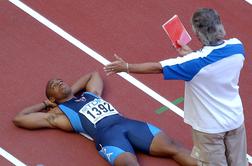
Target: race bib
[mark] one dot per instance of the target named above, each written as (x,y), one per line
(97,110)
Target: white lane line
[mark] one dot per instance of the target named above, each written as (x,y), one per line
(98,57)
(249,158)
(95,55)
(249,1)
(11,158)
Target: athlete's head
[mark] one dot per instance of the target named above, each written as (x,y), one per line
(57,90)
(207,25)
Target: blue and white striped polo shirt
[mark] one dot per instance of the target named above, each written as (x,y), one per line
(212,100)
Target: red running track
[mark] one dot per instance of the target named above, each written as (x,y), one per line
(31,54)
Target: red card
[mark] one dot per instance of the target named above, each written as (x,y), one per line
(176,31)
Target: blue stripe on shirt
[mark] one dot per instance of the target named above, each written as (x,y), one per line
(73,118)
(187,70)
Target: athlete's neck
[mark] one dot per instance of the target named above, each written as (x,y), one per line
(66,99)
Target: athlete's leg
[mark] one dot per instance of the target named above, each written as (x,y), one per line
(164,146)
(126,159)
(152,140)
(114,147)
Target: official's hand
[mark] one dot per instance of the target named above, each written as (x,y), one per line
(184,49)
(119,65)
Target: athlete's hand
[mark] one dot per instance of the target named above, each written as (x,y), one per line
(119,65)
(49,104)
(184,49)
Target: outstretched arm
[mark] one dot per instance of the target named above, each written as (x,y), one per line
(91,82)
(119,65)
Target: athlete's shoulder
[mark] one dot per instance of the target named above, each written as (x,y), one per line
(58,120)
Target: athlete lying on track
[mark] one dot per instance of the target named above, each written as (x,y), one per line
(115,136)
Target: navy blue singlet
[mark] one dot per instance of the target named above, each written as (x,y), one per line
(86,112)
(113,134)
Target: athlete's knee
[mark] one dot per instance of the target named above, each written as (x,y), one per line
(164,146)
(129,163)
(126,159)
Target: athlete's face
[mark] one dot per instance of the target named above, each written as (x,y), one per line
(59,90)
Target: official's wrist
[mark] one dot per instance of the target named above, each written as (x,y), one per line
(127,68)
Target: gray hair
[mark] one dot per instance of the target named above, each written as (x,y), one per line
(207,25)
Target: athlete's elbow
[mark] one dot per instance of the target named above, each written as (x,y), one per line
(18,121)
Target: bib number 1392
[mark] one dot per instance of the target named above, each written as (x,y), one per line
(97,110)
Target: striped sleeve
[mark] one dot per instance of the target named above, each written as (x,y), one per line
(186,67)
(181,68)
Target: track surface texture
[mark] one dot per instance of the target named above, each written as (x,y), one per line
(31,54)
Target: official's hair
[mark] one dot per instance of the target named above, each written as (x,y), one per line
(207,25)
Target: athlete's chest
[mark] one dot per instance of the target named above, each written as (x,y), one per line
(97,109)
(63,123)
(91,108)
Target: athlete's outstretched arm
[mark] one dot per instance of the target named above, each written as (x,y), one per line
(35,117)
(119,65)
(91,82)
